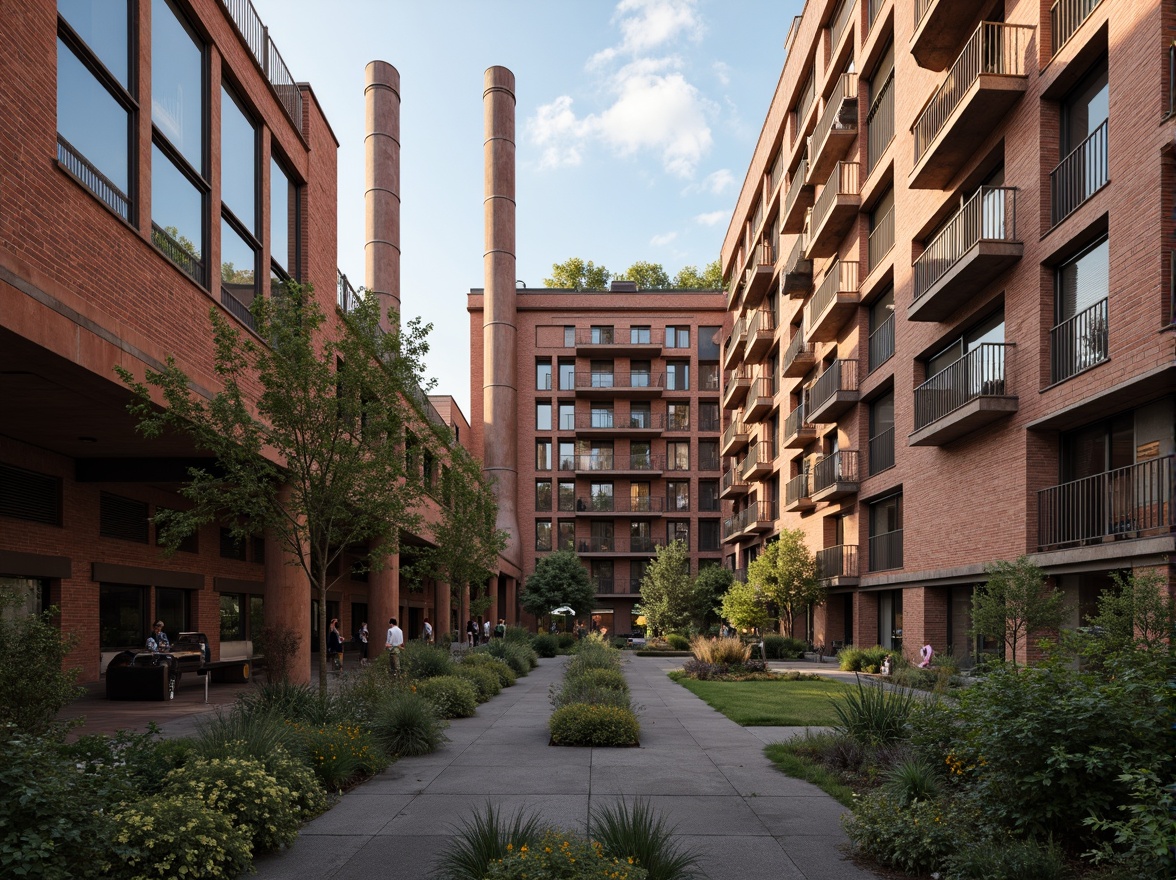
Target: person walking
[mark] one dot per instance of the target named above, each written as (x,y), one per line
(363,643)
(486,631)
(427,632)
(394,645)
(471,633)
(500,630)
(335,645)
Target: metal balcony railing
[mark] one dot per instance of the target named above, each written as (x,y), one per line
(736,427)
(840,114)
(881,239)
(1079,343)
(638,421)
(797,488)
(1128,502)
(795,185)
(838,561)
(840,376)
(994,48)
(840,21)
(921,7)
(347,298)
(764,386)
(842,276)
(1079,176)
(875,7)
(796,422)
(598,461)
(93,179)
(881,343)
(840,467)
(602,503)
(807,96)
(619,379)
(1065,17)
(979,373)
(886,551)
(882,451)
(990,215)
(190,264)
(760,321)
(796,348)
(844,181)
(604,584)
(880,123)
(762,453)
(730,479)
(796,255)
(265,53)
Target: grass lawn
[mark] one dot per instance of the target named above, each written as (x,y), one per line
(803,703)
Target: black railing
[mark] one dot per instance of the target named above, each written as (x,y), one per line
(881,239)
(1079,343)
(619,504)
(256,36)
(93,179)
(605,421)
(880,123)
(347,299)
(190,264)
(840,467)
(838,561)
(882,451)
(796,422)
(797,488)
(709,462)
(238,309)
(761,454)
(840,114)
(886,551)
(1128,502)
(796,348)
(843,181)
(635,379)
(731,479)
(842,277)
(736,427)
(840,376)
(1065,17)
(603,585)
(979,373)
(1079,176)
(598,461)
(990,215)
(882,343)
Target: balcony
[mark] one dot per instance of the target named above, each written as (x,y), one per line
(880,124)
(732,484)
(635,425)
(735,386)
(797,494)
(598,546)
(799,357)
(834,211)
(836,129)
(758,516)
(886,551)
(987,79)
(760,333)
(881,240)
(759,461)
(799,431)
(797,278)
(608,506)
(734,438)
(1079,176)
(939,30)
(758,274)
(976,246)
(617,342)
(1136,501)
(1079,343)
(881,343)
(637,465)
(838,566)
(735,285)
(759,399)
(733,346)
(882,451)
(835,476)
(606,386)
(835,301)
(1065,17)
(964,397)
(833,393)
(797,199)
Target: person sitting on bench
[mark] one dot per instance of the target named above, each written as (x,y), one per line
(158,640)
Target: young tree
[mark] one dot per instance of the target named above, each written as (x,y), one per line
(786,573)
(649,276)
(34,683)
(559,579)
(744,606)
(315,457)
(1136,615)
(710,278)
(1014,604)
(710,585)
(667,590)
(575,274)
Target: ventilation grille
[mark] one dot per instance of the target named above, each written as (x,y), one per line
(30,496)
(123,518)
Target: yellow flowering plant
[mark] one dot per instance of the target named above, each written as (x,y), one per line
(561,855)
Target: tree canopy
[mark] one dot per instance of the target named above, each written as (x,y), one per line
(710,586)
(786,574)
(710,278)
(1014,603)
(575,273)
(558,579)
(315,457)
(649,276)
(744,606)
(667,590)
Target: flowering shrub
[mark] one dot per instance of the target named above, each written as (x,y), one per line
(452,696)
(339,752)
(917,838)
(178,836)
(561,856)
(580,724)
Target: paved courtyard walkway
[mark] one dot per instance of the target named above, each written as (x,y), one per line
(704,773)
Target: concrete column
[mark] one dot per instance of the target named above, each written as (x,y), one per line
(512,601)
(382,189)
(443,607)
(383,602)
(499,329)
(287,602)
(494,611)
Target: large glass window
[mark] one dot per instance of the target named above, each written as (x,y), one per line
(677,495)
(238,265)
(238,162)
(1079,339)
(678,375)
(640,415)
(567,495)
(678,455)
(886,534)
(232,617)
(122,616)
(678,417)
(602,374)
(543,455)
(567,455)
(602,496)
(543,375)
(677,337)
(639,373)
(639,335)
(882,433)
(543,415)
(283,221)
(173,608)
(708,496)
(543,494)
(708,343)
(567,375)
(567,534)
(103,26)
(678,530)
(543,534)
(567,416)
(602,415)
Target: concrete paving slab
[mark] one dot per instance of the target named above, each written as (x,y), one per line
(738,856)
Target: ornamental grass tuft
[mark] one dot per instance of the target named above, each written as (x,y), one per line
(483,839)
(726,651)
(408,724)
(637,833)
(874,715)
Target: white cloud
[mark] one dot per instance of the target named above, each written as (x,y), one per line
(716,183)
(722,71)
(647,25)
(713,218)
(556,129)
(663,238)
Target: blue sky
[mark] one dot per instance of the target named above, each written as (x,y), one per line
(635,123)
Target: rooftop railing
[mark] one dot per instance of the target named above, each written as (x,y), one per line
(990,215)
(979,373)
(256,36)
(347,299)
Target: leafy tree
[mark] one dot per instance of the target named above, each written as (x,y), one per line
(1136,614)
(710,278)
(558,579)
(649,276)
(745,606)
(575,274)
(1015,603)
(786,574)
(34,683)
(667,590)
(709,586)
(315,457)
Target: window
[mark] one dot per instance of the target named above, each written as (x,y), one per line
(567,455)
(567,416)
(543,415)
(543,375)
(881,229)
(601,534)
(602,415)
(677,337)
(94,105)
(1083,168)
(640,537)
(173,607)
(1079,340)
(708,535)
(678,495)
(639,336)
(639,498)
(122,616)
(542,534)
(708,496)
(543,455)
(284,225)
(639,372)
(602,374)
(678,455)
(678,417)
(886,533)
(600,453)
(123,518)
(30,496)
(602,496)
(602,335)
(601,573)
(567,534)
(569,337)
(708,343)
(708,377)
(640,416)
(640,455)
(708,417)
(880,118)
(543,494)
(239,257)
(678,375)
(567,495)
(708,455)
(882,433)
(882,329)
(678,530)
(567,375)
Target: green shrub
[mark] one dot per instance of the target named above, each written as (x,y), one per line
(862,659)
(308,797)
(1009,859)
(408,724)
(506,675)
(560,855)
(619,642)
(593,653)
(484,839)
(579,724)
(363,692)
(1146,831)
(519,634)
(874,715)
(245,793)
(142,759)
(585,690)
(514,654)
(638,833)
(35,683)
(917,838)
(420,661)
(545,645)
(566,641)
(338,753)
(783,648)
(178,836)
(485,682)
(613,679)
(720,652)
(678,642)
(914,778)
(453,697)
(244,732)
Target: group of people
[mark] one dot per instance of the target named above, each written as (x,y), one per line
(393,642)
(480,635)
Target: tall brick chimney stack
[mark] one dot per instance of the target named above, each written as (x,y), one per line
(381,199)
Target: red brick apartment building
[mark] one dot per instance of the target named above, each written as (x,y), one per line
(615,431)
(953,340)
(148,147)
